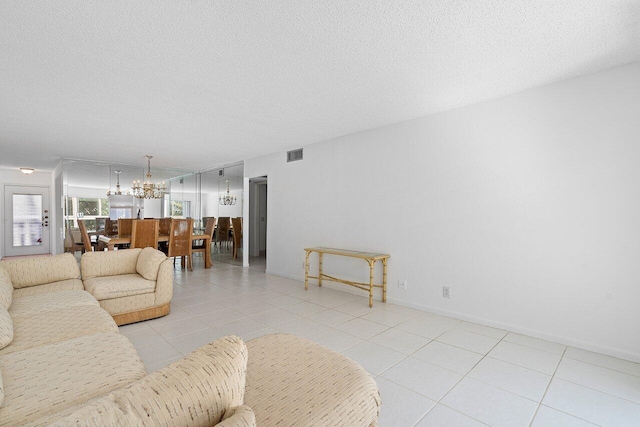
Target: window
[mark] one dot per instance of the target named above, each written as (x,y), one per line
(181,208)
(85,209)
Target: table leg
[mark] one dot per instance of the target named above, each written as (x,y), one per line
(207,253)
(110,246)
(306,271)
(319,268)
(384,280)
(371,265)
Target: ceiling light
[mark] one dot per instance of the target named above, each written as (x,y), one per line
(149,190)
(118,192)
(228,199)
(27,171)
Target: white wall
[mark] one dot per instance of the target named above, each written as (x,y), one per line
(528,207)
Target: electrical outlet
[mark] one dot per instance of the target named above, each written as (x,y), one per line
(446,292)
(402,284)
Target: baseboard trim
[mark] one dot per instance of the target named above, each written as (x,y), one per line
(560,339)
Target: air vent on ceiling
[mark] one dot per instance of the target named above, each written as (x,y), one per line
(294,155)
(221,172)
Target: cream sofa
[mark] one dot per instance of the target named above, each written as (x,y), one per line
(64,363)
(131,284)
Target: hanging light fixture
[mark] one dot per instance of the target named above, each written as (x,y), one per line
(118,192)
(147,189)
(227,199)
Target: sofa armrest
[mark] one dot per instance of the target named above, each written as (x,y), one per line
(241,416)
(164,283)
(197,390)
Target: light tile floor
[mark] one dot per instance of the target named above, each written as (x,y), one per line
(431,370)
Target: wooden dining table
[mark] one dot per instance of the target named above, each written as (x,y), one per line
(111,241)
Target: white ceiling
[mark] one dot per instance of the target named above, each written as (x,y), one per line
(200,84)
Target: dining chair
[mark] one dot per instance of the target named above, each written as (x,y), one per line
(224,223)
(125,226)
(144,233)
(110,227)
(180,241)
(200,245)
(164,226)
(237,235)
(73,241)
(101,225)
(87,245)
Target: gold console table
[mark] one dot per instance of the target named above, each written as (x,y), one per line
(371,259)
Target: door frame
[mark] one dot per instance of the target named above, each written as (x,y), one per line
(253,231)
(7,217)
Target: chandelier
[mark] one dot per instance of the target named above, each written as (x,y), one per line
(118,192)
(148,190)
(228,199)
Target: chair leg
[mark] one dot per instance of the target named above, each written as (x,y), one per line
(189,263)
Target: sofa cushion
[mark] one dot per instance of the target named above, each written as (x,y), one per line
(119,286)
(36,304)
(48,379)
(194,391)
(149,262)
(6,288)
(27,272)
(58,325)
(109,263)
(285,374)
(6,328)
(63,285)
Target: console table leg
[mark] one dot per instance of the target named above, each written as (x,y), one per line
(320,269)
(371,265)
(306,271)
(384,280)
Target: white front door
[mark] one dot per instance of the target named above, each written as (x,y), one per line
(27,217)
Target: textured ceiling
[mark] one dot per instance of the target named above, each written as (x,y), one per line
(200,84)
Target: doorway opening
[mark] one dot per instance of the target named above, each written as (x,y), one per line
(258,221)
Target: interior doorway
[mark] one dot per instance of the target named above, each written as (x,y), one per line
(258,220)
(27,214)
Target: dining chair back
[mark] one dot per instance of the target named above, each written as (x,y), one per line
(125,226)
(210,225)
(84,234)
(100,225)
(237,235)
(180,240)
(205,219)
(144,233)
(110,227)
(222,233)
(73,241)
(164,226)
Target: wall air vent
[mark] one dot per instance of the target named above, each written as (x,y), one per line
(294,155)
